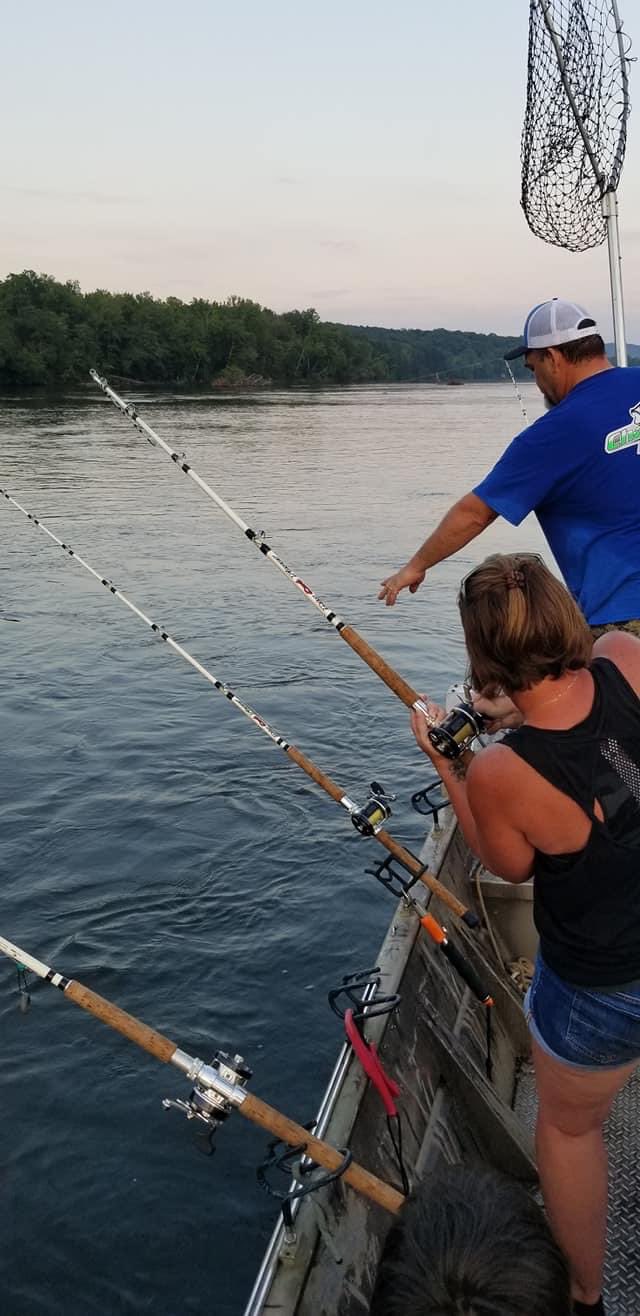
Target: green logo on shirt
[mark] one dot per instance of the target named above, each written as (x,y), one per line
(627,435)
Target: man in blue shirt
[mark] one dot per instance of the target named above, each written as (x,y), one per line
(577,468)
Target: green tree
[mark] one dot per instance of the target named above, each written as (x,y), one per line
(51,333)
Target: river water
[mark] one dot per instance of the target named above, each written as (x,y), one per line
(153,843)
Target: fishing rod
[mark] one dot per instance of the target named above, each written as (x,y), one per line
(368,819)
(218,1088)
(402,889)
(374,660)
(517,390)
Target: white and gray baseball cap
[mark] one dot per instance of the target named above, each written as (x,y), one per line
(552,323)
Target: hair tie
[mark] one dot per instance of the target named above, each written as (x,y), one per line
(515,579)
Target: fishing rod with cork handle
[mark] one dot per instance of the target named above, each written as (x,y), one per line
(368,818)
(405,692)
(218,1087)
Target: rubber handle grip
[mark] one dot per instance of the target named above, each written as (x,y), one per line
(467,973)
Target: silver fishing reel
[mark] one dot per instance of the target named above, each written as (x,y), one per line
(205,1103)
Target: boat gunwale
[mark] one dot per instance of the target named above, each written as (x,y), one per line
(346,1068)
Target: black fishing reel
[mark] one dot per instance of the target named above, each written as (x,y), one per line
(204,1104)
(457,730)
(373,815)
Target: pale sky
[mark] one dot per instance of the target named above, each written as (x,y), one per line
(359,157)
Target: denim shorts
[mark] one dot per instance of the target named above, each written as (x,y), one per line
(580,1026)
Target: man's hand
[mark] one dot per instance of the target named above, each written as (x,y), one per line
(500,712)
(466,519)
(408,577)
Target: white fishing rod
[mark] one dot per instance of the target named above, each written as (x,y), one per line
(218,1088)
(517,391)
(410,697)
(368,819)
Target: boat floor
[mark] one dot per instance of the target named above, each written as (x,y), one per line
(622,1270)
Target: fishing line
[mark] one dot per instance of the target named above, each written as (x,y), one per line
(368,819)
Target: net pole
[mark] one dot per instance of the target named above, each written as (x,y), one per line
(609,200)
(624,75)
(610,212)
(610,209)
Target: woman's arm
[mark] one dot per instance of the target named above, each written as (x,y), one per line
(503,847)
(481,793)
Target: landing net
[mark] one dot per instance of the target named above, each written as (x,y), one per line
(572,153)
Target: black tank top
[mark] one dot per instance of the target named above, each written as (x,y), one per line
(586,905)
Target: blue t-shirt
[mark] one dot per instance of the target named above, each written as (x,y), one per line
(578,469)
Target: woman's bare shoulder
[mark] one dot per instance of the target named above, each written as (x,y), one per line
(623,649)
(492,765)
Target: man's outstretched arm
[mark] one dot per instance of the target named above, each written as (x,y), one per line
(466,519)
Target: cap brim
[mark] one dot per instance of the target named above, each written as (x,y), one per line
(515,352)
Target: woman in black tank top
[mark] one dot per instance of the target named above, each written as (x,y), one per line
(559,800)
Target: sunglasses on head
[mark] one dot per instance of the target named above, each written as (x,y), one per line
(511,577)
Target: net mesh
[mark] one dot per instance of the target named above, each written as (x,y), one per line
(561,186)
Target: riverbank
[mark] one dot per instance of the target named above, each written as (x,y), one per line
(51,332)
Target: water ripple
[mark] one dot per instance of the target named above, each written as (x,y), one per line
(153,844)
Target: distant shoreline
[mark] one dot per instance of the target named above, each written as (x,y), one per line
(51,333)
(87,392)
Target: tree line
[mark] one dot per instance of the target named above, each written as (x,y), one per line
(51,333)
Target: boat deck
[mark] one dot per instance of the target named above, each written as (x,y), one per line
(435,1046)
(622,1272)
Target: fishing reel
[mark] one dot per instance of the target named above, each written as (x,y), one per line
(204,1104)
(373,815)
(458,729)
